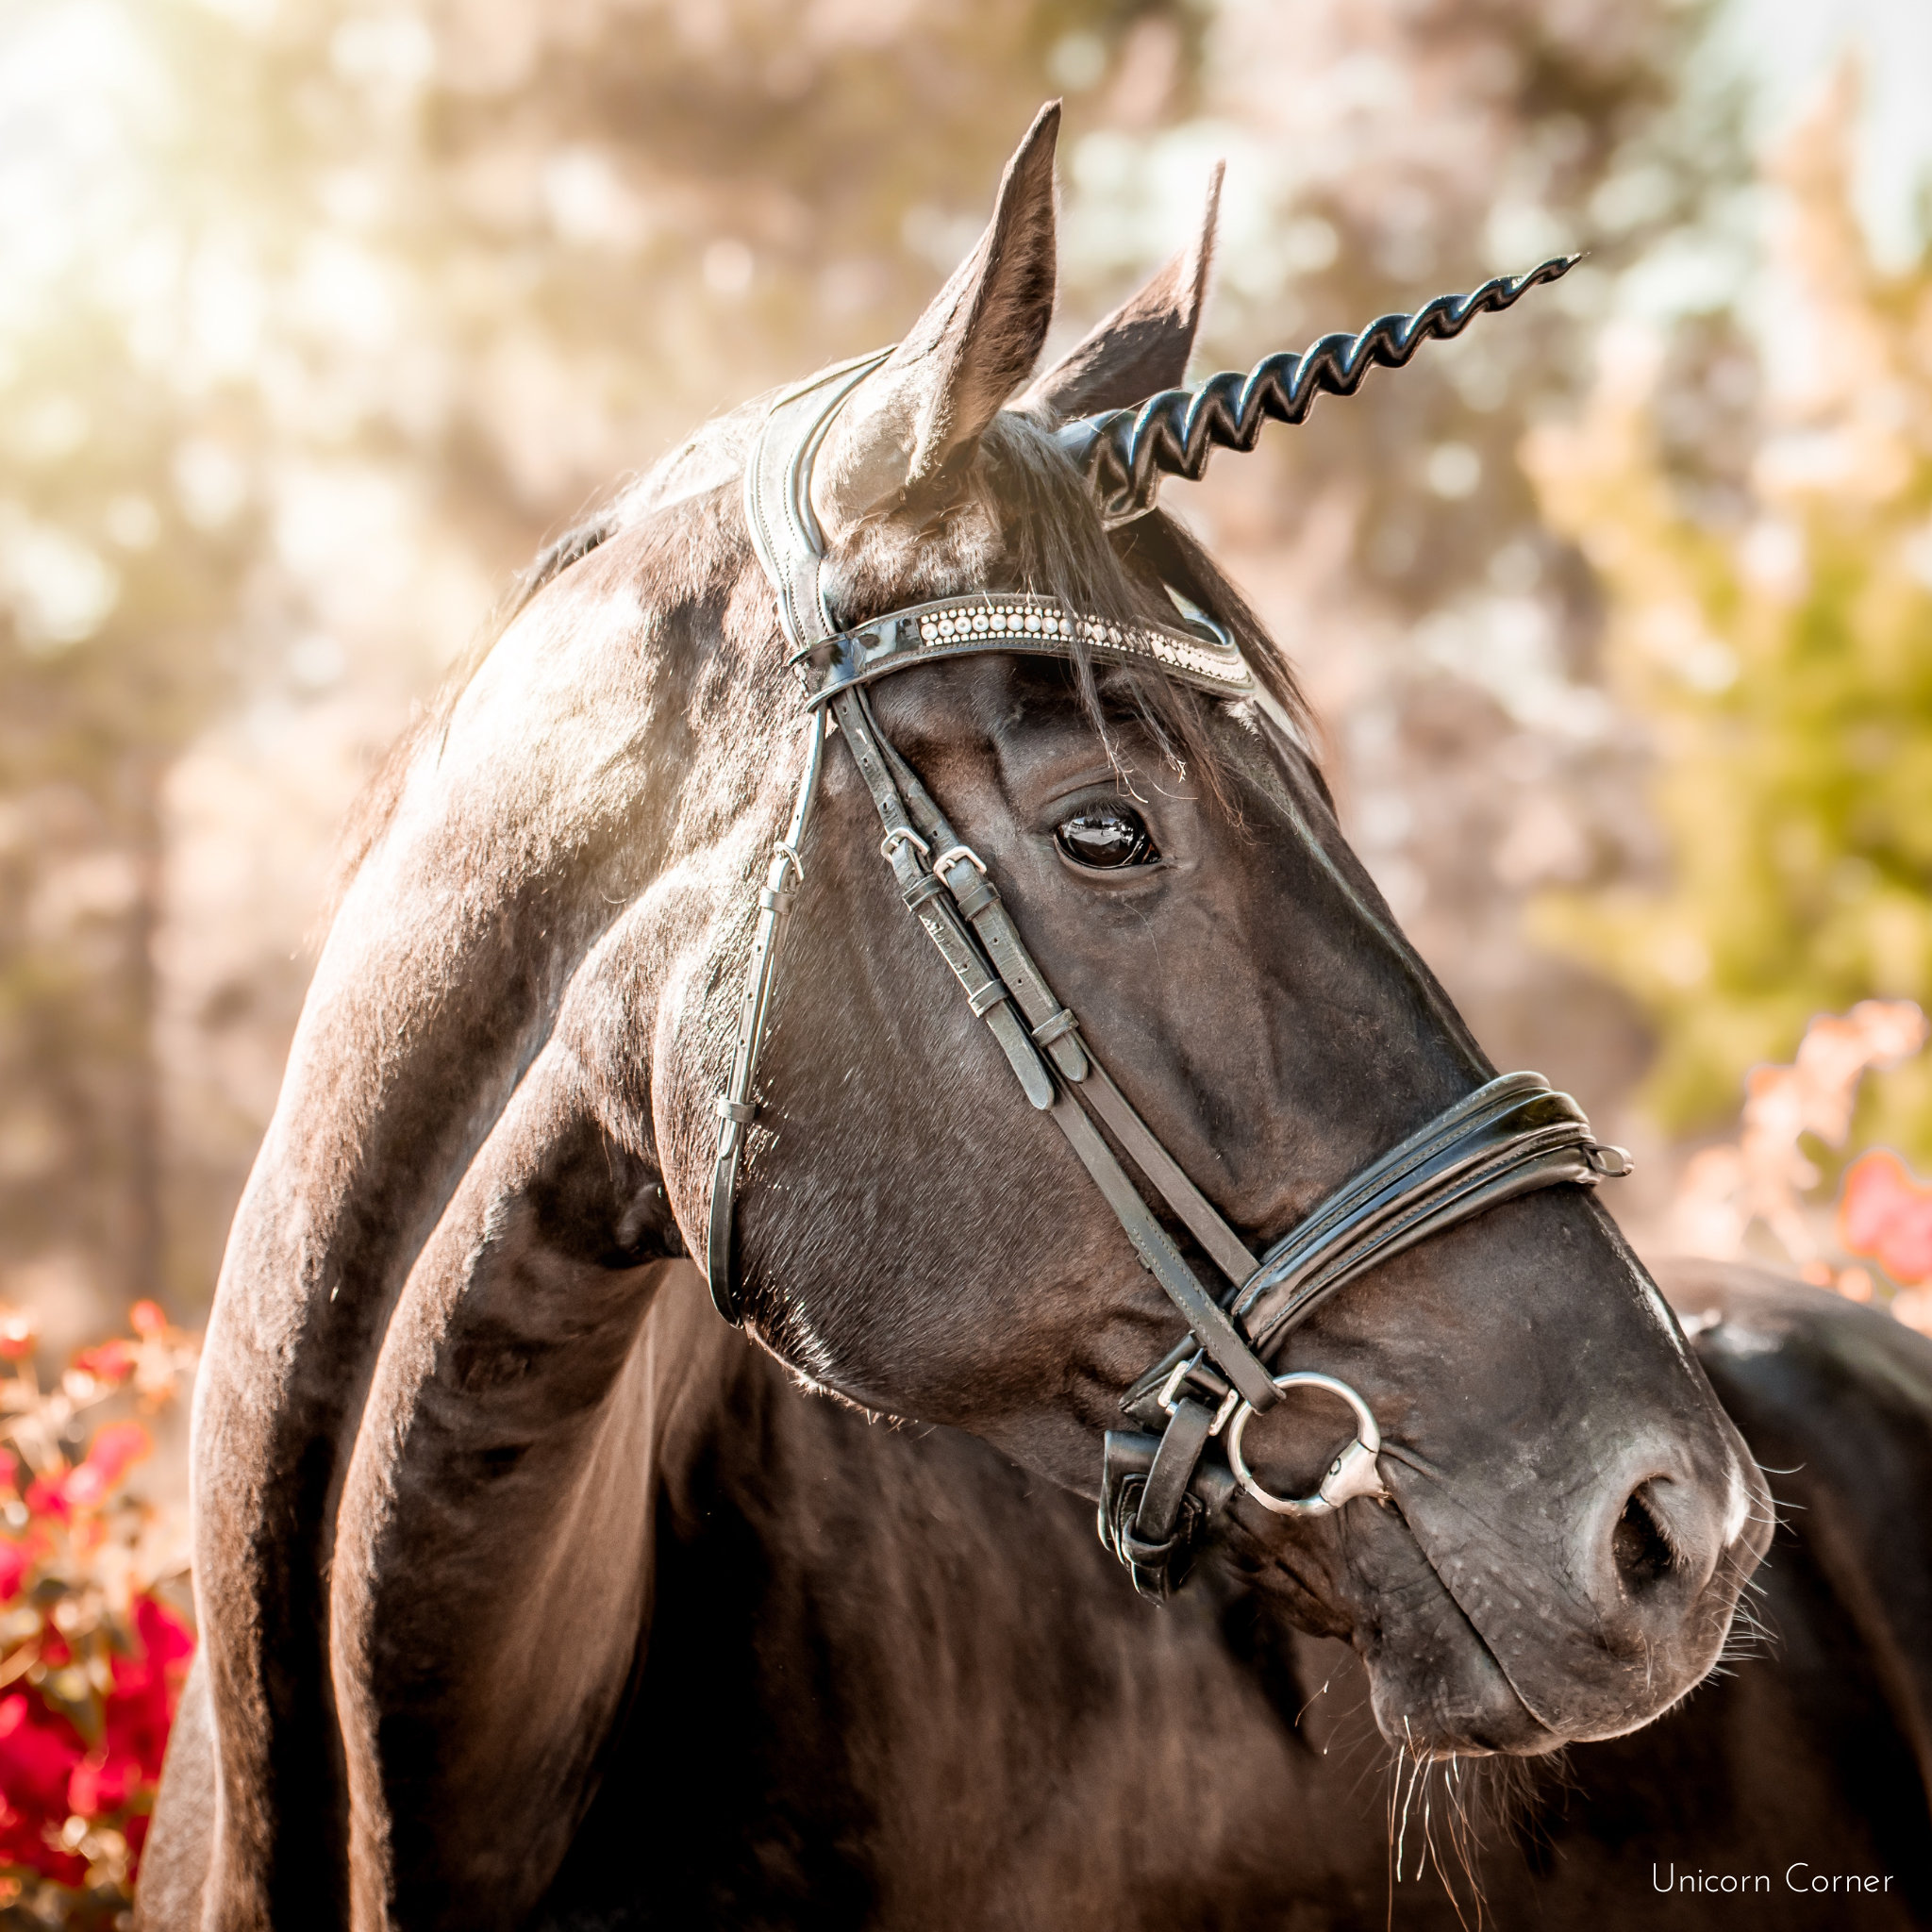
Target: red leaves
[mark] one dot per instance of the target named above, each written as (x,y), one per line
(1886,1216)
(1883,1214)
(92,1662)
(39,1756)
(110,1362)
(113,1451)
(49,1777)
(127,1764)
(91,1482)
(141,1706)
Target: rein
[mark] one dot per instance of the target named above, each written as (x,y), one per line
(1161,1490)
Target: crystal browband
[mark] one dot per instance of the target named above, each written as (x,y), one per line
(959,627)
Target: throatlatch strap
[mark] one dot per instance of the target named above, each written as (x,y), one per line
(736,1111)
(778,508)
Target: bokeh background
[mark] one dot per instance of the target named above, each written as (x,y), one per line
(316,319)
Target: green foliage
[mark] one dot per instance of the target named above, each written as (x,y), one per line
(1785,666)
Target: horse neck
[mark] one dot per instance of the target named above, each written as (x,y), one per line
(520,832)
(898,1641)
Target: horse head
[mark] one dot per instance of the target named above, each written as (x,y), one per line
(1564,1516)
(1093,1103)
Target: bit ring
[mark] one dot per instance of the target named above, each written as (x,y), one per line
(1352,1474)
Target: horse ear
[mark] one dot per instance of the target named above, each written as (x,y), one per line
(1143,346)
(965,355)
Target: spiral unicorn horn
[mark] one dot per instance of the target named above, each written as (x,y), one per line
(1124,454)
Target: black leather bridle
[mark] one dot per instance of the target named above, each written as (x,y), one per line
(1160,1488)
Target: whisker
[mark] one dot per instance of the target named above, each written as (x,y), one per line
(1304,1711)
(1402,1833)
(1461,1836)
(1395,1785)
(1448,1769)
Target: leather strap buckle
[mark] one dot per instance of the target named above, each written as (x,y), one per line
(903,835)
(1198,1373)
(959,852)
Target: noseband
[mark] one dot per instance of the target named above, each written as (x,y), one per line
(1161,1490)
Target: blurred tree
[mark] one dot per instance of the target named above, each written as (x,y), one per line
(1785,661)
(322,315)
(325,314)
(122,538)
(570,233)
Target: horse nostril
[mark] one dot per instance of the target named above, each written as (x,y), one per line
(1639,1545)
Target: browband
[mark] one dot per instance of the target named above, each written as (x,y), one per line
(1158,1490)
(1018,626)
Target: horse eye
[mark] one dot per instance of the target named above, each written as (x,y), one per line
(1104,838)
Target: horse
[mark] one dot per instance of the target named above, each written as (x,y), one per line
(907,1688)
(532,1593)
